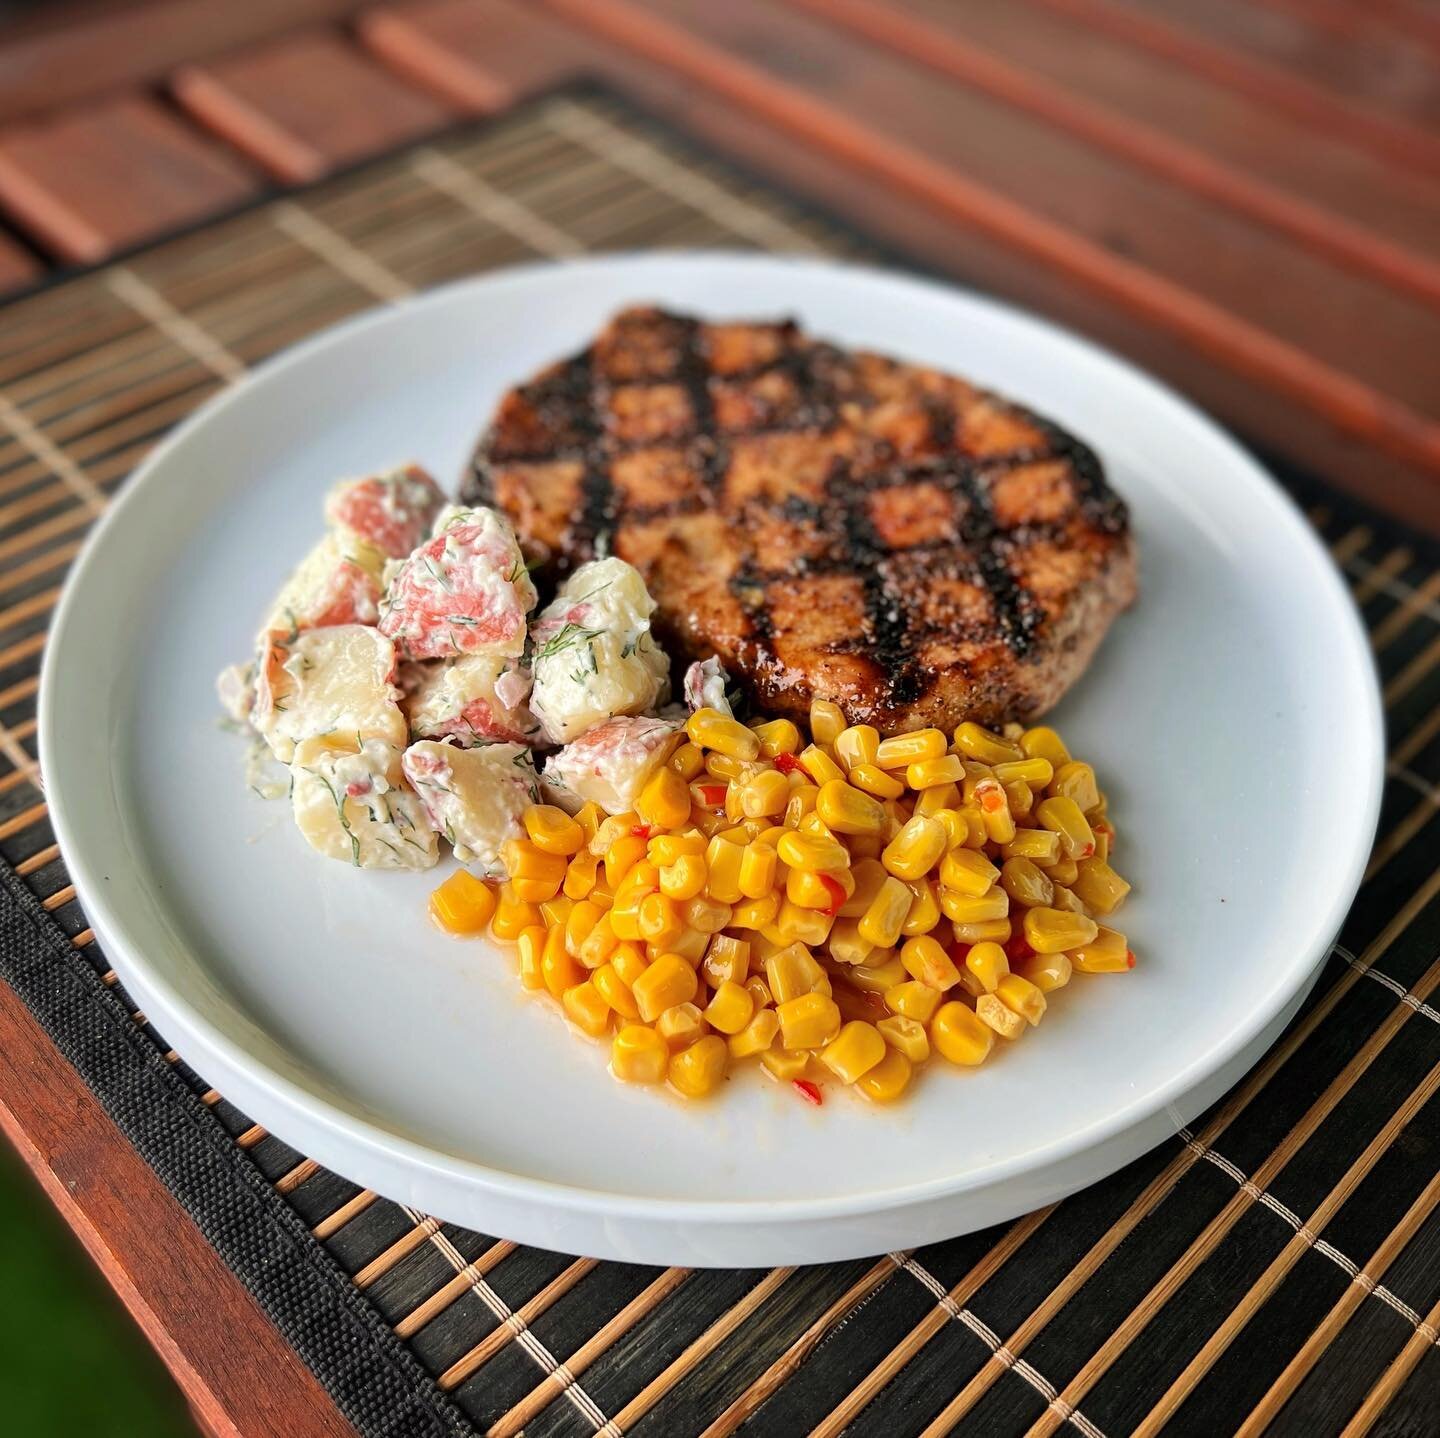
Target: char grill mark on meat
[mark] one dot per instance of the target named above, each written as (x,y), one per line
(830,523)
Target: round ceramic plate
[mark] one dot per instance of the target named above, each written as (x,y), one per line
(1232,715)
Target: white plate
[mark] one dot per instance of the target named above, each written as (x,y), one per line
(1233,716)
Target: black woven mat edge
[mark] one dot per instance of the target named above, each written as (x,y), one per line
(375,1381)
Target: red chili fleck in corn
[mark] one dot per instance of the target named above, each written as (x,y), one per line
(788,763)
(810,1092)
(713,794)
(1017,947)
(835,889)
(641,831)
(1129,958)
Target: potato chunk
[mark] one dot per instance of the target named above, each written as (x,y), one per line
(474,797)
(608,764)
(392,511)
(338,582)
(472,699)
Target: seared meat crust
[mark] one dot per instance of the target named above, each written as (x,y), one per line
(832,524)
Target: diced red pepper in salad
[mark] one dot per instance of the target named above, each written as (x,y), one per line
(810,1092)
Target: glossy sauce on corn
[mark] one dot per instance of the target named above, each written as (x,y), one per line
(840,908)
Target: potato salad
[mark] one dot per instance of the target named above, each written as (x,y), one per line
(404,680)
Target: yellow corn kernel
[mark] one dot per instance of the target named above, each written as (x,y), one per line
(759,866)
(1040,846)
(928,963)
(687,761)
(987,964)
(552,830)
(969,872)
(869,876)
(764,794)
(685,878)
(537,891)
(615,991)
(913,1000)
(933,773)
(1028,885)
(825,892)
(586,1008)
(583,917)
(854,1051)
(818,764)
(995,811)
(665,849)
(616,826)
(1102,889)
(977,836)
(629,961)
(974,908)
(792,972)
(580,875)
(1020,798)
(756,1036)
(924,912)
(814,825)
(530,947)
(710,729)
(667,982)
(639,1055)
(800,803)
(958,1035)
(888,1079)
(957,830)
(847,810)
(882,921)
(914,851)
(726,960)
(664,799)
(681,1024)
(589,816)
(874,781)
(1021,997)
(979,744)
(624,915)
(805,926)
(558,967)
(556,910)
(1069,901)
(995,1015)
(755,913)
(901,750)
(1044,743)
(881,972)
(937,797)
(462,904)
(1076,782)
(1063,871)
(706,915)
(783,1065)
(731,1008)
(599,944)
(846,945)
(827,721)
(722,863)
(697,1071)
(1037,773)
(1048,931)
(660,921)
(641,878)
(759,989)
(622,855)
(777,737)
(1046,971)
(513,915)
(856,745)
(812,852)
(728,770)
(1063,817)
(1107,953)
(1104,837)
(906,1034)
(809,1021)
(993,931)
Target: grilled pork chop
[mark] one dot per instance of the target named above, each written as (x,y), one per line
(832,524)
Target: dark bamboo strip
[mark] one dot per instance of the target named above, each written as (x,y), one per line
(1322,231)
(1348,403)
(1391,1381)
(460,1284)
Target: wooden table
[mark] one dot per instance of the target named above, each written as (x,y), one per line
(1244,197)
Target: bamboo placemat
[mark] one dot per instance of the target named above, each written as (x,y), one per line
(1275,1268)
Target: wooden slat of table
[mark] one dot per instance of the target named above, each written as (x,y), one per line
(70,59)
(95,180)
(239,1374)
(478,47)
(306,103)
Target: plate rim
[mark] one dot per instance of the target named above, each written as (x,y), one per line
(216,1050)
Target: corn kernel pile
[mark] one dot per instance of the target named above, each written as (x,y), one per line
(838,909)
